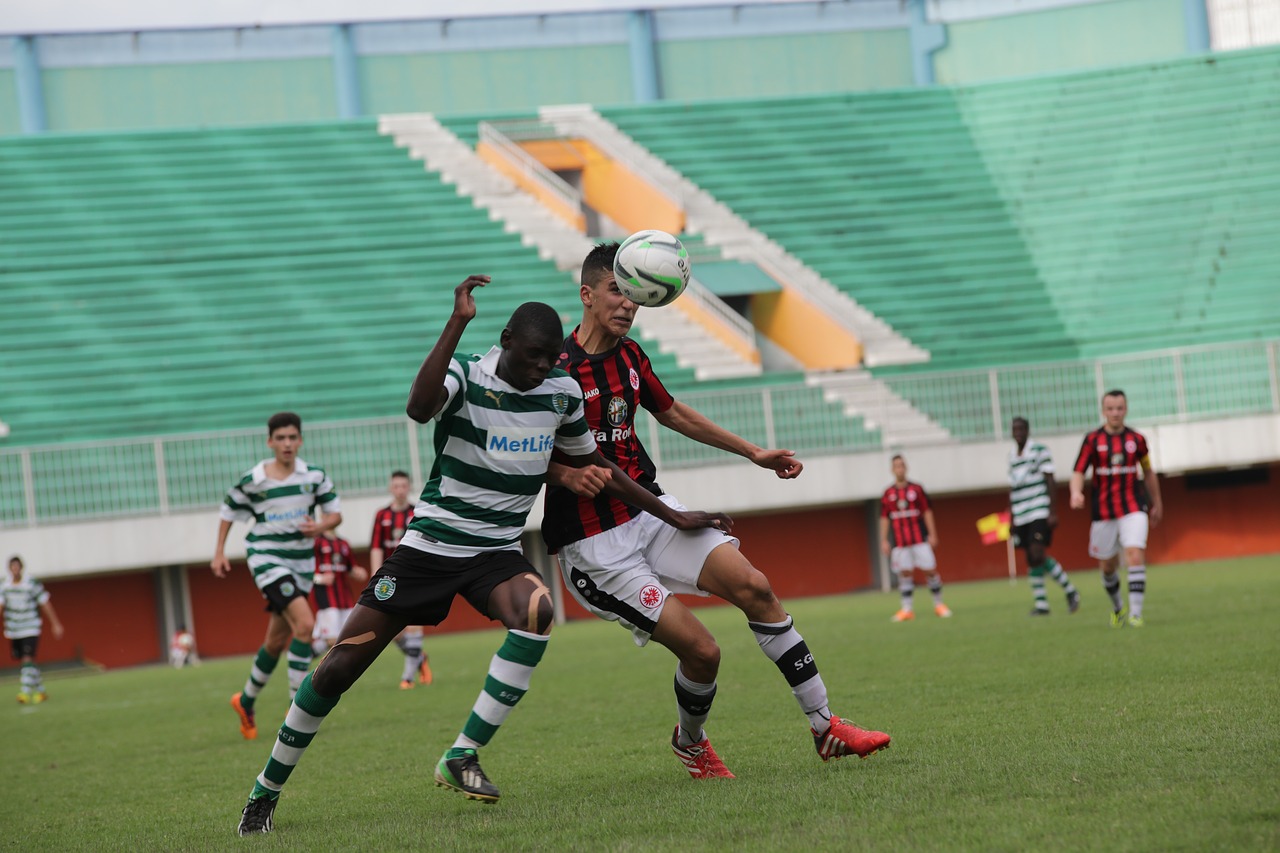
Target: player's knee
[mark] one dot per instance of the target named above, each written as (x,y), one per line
(703,655)
(336,672)
(542,616)
(1135,556)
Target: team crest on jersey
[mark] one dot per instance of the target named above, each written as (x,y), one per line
(651,596)
(617,413)
(635,380)
(308,488)
(560,402)
(287,589)
(1117,459)
(902,504)
(385,588)
(911,494)
(1131,446)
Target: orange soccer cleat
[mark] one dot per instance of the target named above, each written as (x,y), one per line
(844,738)
(248,728)
(903,616)
(700,758)
(943,611)
(424,671)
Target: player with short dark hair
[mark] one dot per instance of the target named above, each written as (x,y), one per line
(498,416)
(620,564)
(279,496)
(389,525)
(1121,503)
(1033,517)
(23,600)
(905,512)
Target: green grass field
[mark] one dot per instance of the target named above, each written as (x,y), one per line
(1008,734)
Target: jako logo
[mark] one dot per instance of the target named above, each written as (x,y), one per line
(520,443)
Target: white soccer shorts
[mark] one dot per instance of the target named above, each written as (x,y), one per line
(329,623)
(1106,538)
(625,574)
(910,557)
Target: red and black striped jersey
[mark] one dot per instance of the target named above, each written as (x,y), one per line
(333,555)
(389,526)
(1115,459)
(905,507)
(614,384)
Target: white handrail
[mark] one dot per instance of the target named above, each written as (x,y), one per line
(530,165)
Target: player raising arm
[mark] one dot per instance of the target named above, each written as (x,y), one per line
(498,416)
(1120,503)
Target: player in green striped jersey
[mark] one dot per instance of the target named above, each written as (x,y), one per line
(498,417)
(279,496)
(1031,503)
(23,600)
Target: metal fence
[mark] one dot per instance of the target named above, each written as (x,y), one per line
(167,474)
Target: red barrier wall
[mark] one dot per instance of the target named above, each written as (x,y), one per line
(113,619)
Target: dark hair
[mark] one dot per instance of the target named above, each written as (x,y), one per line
(536,320)
(896,457)
(399,473)
(281,420)
(1114,392)
(598,262)
(1021,420)
(16,559)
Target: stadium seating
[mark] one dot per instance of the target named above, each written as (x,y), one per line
(1029,221)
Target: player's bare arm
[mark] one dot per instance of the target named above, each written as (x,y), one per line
(1077,490)
(55,624)
(1053,500)
(885,547)
(1152,482)
(220,564)
(585,482)
(625,489)
(359,574)
(375,560)
(693,424)
(931,528)
(426,395)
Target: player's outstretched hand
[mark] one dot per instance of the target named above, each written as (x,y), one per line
(782,462)
(695,520)
(309,528)
(220,565)
(1156,515)
(586,481)
(1077,500)
(464,304)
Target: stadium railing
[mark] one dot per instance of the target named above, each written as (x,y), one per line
(161,475)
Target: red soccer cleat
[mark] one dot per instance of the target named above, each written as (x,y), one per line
(248,728)
(844,738)
(699,759)
(424,671)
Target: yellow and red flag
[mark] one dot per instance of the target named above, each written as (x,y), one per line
(995,527)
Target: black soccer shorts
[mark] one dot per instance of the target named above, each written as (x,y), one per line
(419,587)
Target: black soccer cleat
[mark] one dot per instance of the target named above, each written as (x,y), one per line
(256,817)
(1073,602)
(463,774)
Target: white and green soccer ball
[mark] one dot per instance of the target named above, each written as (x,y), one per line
(651,268)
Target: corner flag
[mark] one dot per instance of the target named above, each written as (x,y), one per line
(995,527)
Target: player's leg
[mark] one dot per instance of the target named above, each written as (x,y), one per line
(728,574)
(415,667)
(924,559)
(1033,547)
(365,634)
(302,624)
(31,688)
(505,588)
(1104,545)
(904,567)
(1133,538)
(264,663)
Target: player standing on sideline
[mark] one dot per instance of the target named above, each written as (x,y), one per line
(331,593)
(498,416)
(905,509)
(278,496)
(389,525)
(182,648)
(1120,503)
(23,599)
(622,564)
(1031,505)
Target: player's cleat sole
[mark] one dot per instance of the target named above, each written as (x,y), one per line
(903,616)
(1118,618)
(463,774)
(1073,602)
(844,738)
(1038,612)
(425,675)
(700,759)
(407,684)
(257,817)
(1136,622)
(942,611)
(24,698)
(248,728)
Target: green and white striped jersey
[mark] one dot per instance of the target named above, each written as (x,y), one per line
(1029,493)
(275,508)
(493,445)
(22,602)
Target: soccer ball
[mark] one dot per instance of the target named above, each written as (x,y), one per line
(651,268)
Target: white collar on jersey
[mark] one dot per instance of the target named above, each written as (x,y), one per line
(259,471)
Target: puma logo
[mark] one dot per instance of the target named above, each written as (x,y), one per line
(497,398)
